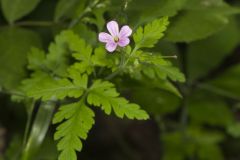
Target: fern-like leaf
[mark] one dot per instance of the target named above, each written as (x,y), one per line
(58,88)
(154,66)
(151,33)
(104,95)
(77,120)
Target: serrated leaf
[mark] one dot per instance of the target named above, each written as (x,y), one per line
(104,95)
(36,78)
(101,58)
(16,9)
(149,35)
(78,120)
(83,53)
(57,88)
(86,33)
(36,59)
(56,61)
(154,66)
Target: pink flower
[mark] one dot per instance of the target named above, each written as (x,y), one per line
(115,38)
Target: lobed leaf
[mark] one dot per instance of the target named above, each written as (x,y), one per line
(151,33)
(56,88)
(154,66)
(77,120)
(104,95)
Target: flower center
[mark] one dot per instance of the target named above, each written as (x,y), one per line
(116,39)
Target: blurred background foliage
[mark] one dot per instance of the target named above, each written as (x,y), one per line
(201,124)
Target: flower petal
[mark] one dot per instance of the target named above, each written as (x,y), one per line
(123,42)
(113,28)
(111,46)
(125,31)
(105,37)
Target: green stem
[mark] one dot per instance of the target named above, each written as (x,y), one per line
(100,71)
(36,23)
(122,66)
(218,91)
(111,76)
(131,54)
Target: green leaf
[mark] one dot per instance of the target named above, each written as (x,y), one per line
(13,149)
(208,109)
(39,130)
(154,100)
(56,62)
(151,33)
(198,143)
(104,95)
(77,121)
(199,20)
(83,53)
(212,6)
(234,130)
(209,152)
(58,88)
(87,60)
(67,8)
(153,66)
(48,150)
(86,33)
(169,7)
(14,45)
(214,48)
(226,84)
(206,143)
(16,9)
(67,43)
(36,59)
(194,25)
(36,78)
(149,10)
(99,15)
(103,59)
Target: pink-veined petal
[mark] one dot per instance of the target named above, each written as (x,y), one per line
(125,31)
(123,42)
(113,28)
(105,37)
(111,46)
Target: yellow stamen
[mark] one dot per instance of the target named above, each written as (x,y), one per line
(116,39)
